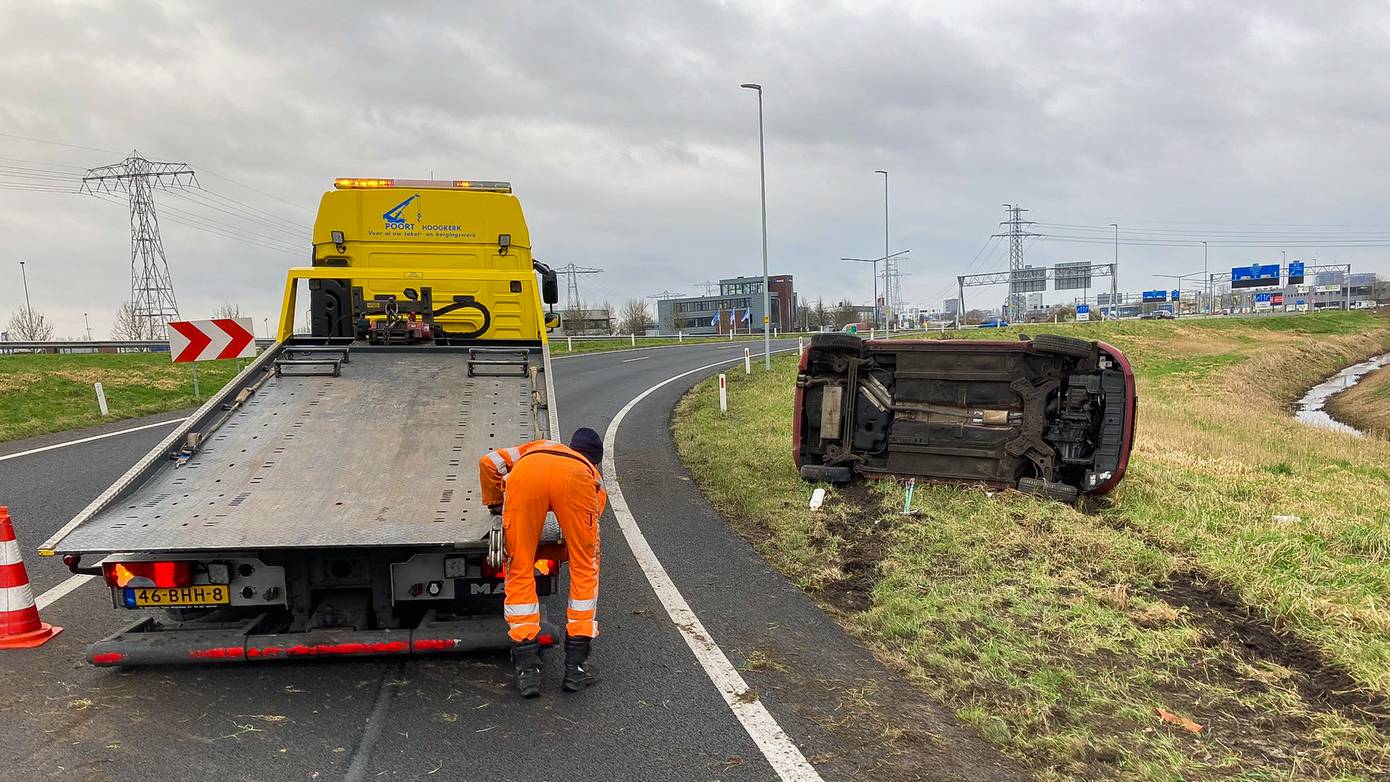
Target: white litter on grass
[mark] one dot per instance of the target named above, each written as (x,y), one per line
(1284,519)
(817,499)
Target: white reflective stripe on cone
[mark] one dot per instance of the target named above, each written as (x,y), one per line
(16,598)
(522,609)
(9,553)
(498,462)
(583,605)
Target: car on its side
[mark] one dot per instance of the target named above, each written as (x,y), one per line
(1050,415)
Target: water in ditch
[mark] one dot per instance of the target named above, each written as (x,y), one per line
(1309,408)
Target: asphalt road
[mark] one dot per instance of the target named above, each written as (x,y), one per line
(655,715)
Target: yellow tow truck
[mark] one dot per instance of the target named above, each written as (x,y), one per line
(326,501)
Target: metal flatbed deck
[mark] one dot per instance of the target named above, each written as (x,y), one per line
(383,454)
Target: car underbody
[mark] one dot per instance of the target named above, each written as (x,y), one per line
(1051,415)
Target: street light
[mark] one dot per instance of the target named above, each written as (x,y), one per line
(762,182)
(1207,274)
(887,283)
(875,262)
(1115,267)
(89,326)
(27,306)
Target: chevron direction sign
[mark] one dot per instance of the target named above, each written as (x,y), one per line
(204,340)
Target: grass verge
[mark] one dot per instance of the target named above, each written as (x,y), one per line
(1365,405)
(1222,616)
(42,393)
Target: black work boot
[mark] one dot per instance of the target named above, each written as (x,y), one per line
(527,658)
(578,674)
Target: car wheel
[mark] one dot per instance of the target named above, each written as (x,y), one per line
(842,343)
(1062,346)
(1053,491)
(826,474)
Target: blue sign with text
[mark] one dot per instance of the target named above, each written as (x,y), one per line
(1256,275)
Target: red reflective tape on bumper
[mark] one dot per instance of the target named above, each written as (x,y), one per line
(269,651)
(107,658)
(381,647)
(218,653)
(435,644)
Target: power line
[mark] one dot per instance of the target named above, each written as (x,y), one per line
(57,143)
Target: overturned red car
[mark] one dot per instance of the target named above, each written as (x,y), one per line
(1050,415)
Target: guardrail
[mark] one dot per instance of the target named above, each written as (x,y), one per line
(162,346)
(99,346)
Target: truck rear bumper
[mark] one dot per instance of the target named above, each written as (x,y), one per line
(147,642)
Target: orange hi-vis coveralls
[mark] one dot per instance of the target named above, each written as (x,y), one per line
(529,481)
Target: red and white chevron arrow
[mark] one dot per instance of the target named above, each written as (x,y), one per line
(204,340)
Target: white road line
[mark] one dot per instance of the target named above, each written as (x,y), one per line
(630,360)
(92,438)
(52,595)
(781,752)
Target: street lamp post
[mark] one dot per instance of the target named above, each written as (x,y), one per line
(762,182)
(887,283)
(1115,268)
(25,277)
(89,326)
(1207,274)
(875,262)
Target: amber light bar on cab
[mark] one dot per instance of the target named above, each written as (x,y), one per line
(358,183)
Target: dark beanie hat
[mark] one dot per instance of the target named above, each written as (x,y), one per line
(587,442)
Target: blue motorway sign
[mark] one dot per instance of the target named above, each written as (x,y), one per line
(1177,295)
(1295,272)
(1151,296)
(1256,275)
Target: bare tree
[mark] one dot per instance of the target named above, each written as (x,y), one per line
(227,310)
(573,318)
(130,324)
(29,326)
(635,318)
(607,311)
(820,316)
(844,314)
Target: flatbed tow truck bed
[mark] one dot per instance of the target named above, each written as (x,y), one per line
(333,487)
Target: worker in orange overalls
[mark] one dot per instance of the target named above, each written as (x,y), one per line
(523,484)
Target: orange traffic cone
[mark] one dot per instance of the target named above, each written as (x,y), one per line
(20,627)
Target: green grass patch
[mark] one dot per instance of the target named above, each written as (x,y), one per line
(1237,578)
(42,393)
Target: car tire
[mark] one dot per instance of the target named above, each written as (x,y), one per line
(840,343)
(826,474)
(1063,346)
(1053,491)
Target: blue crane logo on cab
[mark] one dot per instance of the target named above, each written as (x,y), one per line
(399,224)
(393,215)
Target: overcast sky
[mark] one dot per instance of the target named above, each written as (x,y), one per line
(624,132)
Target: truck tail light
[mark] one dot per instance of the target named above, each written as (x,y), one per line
(148,574)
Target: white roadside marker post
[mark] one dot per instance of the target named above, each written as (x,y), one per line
(680,337)
(800,346)
(633,337)
(747,364)
(723,393)
(871,333)
(569,344)
(101,398)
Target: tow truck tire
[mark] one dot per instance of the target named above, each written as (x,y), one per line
(840,343)
(1053,491)
(825,474)
(1063,346)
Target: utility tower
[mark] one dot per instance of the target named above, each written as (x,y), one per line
(1016,229)
(573,273)
(151,288)
(709,286)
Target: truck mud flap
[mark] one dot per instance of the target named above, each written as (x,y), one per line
(146,642)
